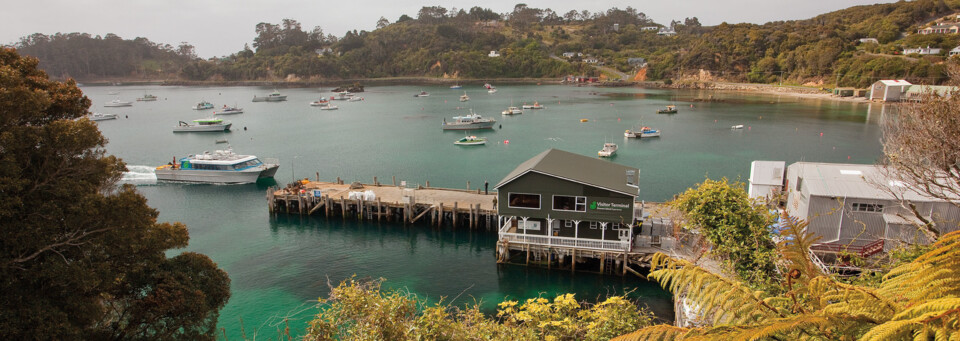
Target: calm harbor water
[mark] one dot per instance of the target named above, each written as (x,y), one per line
(280,266)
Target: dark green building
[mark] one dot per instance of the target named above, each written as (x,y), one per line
(565,199)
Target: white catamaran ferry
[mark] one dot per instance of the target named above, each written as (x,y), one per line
(220,167)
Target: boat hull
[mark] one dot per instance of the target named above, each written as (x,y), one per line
(215,176)
(228,112)
(203,128)
(471,126)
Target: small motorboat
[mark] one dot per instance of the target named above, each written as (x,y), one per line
(608,150)
(329,107)
(456,86)
(355,99)
(118,103)
(670,109)
(512,111)
(227,110)
(275,96)
(649,132)
(319,103)
(739,126)
(207,124)
(102,117)
(535,105)
(464,97)
(492,90)
(422,94)
(203,105)
(147,98)
(471,141)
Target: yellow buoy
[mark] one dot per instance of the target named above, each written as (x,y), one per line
(583,120)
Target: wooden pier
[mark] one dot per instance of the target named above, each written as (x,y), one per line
(377,202)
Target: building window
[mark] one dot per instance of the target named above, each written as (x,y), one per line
(861,207)
(593,225)
(568,203)
(615,226)
(522,200)
(799,182)
(568,223)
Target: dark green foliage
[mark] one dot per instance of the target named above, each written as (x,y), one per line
(81,258)
(738,228)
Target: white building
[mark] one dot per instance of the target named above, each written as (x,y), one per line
(494,54)
(923,50)
(888,90)
(766,179)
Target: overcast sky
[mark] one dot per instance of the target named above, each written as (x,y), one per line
(219,28)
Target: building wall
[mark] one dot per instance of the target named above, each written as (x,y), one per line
(824,215)
(602,205)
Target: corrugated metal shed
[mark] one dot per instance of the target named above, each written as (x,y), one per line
(849,180)
(767,172)
(578,168)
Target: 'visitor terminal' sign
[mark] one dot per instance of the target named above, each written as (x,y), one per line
(608,206)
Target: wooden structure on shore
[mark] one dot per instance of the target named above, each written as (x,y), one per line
(470,208)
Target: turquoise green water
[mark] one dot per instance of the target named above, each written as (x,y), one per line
(279,267)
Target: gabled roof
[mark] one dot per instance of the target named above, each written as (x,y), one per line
(853,181)
(767,172)
(577,168)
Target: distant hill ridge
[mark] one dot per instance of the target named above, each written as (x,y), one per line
(821,50)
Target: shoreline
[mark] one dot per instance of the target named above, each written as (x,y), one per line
(798,92)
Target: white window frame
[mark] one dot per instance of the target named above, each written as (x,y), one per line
(593,225)
(866,207)
(568,223)
(539,201)
(576,203)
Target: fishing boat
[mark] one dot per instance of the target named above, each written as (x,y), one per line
(203,105)
(228,110)
(535,105)
(319,103)
(464,97)
(471,141)
(102,117)
(422,94)
(642,132)
(608,150)
(118,103)
(468,122)
(275,96)
(220,167)
(670,109)
(206,124)
(147,98)
(342,96)
(512,111)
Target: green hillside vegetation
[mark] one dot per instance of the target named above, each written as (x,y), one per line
(455,43)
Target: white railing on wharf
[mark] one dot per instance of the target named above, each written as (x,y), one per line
(581,243)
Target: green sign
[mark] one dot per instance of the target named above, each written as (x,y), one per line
(608,206)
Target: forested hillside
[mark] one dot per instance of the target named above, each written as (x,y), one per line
(457,43)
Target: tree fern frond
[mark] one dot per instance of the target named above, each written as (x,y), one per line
(664,332)
(714,295)
(938,308)
(892,330)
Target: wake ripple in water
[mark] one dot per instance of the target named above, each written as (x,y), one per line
(139,175)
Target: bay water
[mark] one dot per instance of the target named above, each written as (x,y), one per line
(280,266)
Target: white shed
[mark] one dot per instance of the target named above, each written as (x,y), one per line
(766,178)
(888,89)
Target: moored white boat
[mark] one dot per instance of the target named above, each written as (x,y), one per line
(222,167)
(118,103)
(643,132)
(422,94)
(468,122)
(535,105)
(608,150)
(471,141)
(512,111)
(275,96)
(227,110)
(464,97)
(206,124)
(147,98)
(329,107)
(203,105)
(739,126)
(319,103)
(102,117)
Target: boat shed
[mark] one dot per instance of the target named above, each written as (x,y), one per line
(571,200)
(766,179)
(889,90)
(852,208)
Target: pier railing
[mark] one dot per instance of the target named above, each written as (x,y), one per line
(581,243)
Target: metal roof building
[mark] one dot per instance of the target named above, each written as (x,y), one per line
(766,178)
(888,89)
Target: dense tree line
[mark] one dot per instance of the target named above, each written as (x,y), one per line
(456,42)
(81,56)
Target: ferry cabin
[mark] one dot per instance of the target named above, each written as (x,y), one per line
(558,198)
(238,164)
